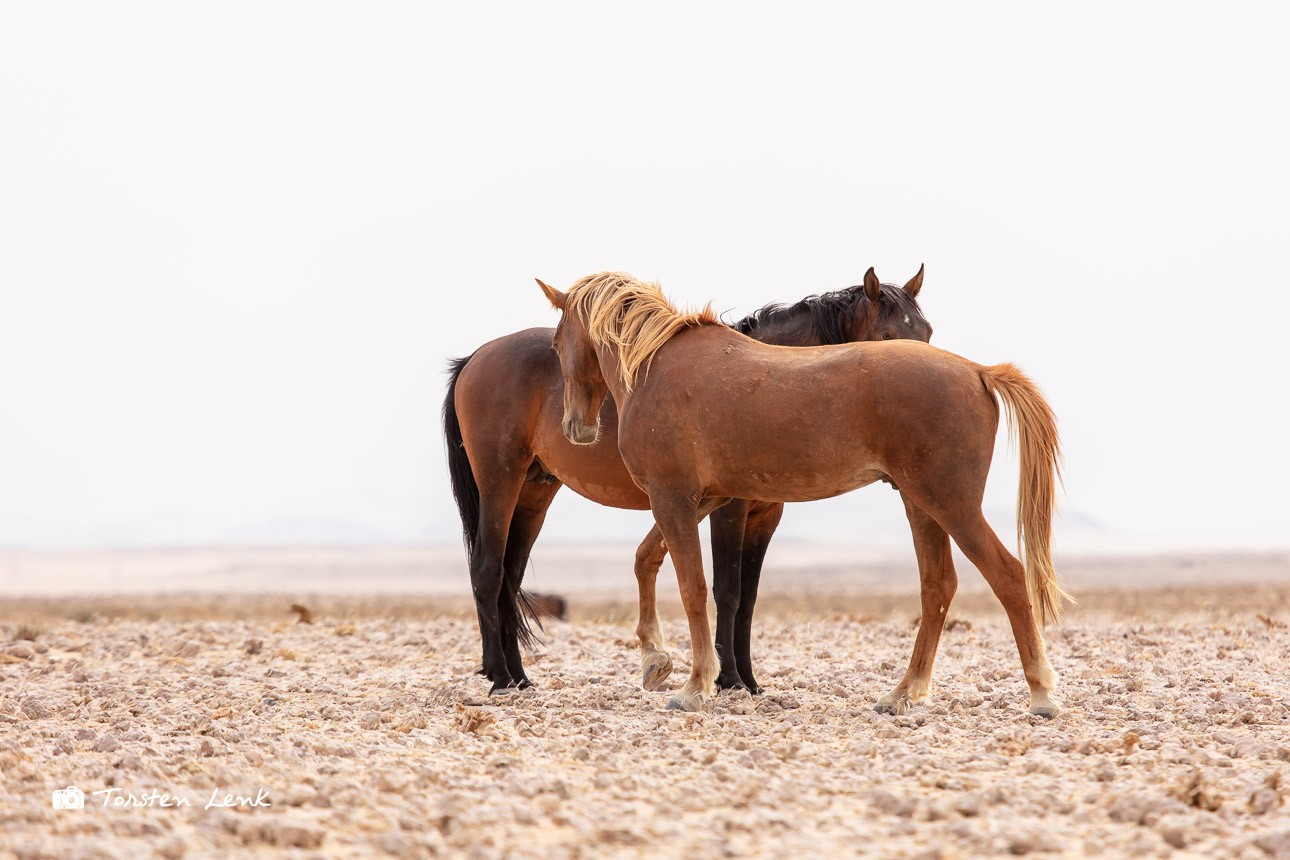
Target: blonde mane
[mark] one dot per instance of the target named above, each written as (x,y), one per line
(632,316)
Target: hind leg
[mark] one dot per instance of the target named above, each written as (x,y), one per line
(656,663)
(728,524)
(498,497)
(526,522)
(763,519)
(938,582)
(1007,578)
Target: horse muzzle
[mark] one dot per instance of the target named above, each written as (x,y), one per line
(580,433)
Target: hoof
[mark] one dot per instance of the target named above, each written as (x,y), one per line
(655,669)
(682,702)
(504,689)
(524,684)
(1047,713)
(894,706)
(735,683)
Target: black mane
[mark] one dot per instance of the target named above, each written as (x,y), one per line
(829,312)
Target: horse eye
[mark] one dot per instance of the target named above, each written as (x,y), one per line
(886,335)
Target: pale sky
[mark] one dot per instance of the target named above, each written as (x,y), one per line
(239,241)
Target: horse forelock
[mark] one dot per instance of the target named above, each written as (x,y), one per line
(632,316)
(898,302)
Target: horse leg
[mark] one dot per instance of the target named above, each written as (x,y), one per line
(1007,578)
(526,522)
(497,504)
(656,663)
(678,520)
(938,583)
(763,519)
(728,524)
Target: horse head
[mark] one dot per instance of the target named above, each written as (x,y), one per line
(584,383)
(890,312)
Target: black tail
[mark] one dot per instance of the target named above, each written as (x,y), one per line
(517,606)
(464,488)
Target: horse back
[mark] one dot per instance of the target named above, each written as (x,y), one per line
(793,423)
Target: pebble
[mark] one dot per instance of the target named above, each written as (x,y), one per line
(107,743)
(35,709)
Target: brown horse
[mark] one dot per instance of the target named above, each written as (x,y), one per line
(706,414)
(508,457)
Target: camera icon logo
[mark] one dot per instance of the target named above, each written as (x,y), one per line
(69,798)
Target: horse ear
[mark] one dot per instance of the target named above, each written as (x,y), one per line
(915,284)
(872,286)
(554,296)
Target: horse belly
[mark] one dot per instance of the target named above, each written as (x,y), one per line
(799,485)
(615,494)
(595,472)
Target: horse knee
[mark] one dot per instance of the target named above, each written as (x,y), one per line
(726,590)
(649,556)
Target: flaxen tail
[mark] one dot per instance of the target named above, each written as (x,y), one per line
(1032,423)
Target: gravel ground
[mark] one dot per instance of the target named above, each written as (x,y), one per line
(372,736)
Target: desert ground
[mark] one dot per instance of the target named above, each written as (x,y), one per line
(205,721)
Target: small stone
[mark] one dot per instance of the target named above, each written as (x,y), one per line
(187,648)
(297,796)
(1265,800)
(890,804)
(370,720)
(1021,843)
(1276,845)
(391,781)
(1173,829)
(970,804)
(297,836)
(107,743)
(35,709)
(172,849)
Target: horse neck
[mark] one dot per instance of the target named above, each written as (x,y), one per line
(797,330)
(611,370)
(797,326)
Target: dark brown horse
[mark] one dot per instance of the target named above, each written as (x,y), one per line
(508,458)
(706,414)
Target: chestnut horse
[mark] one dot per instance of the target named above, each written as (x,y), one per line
(706,414)
(508,458)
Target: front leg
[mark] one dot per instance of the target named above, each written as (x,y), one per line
(678,519)
(656,663)
(728,524)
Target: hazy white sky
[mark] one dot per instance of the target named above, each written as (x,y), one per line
(239,241)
